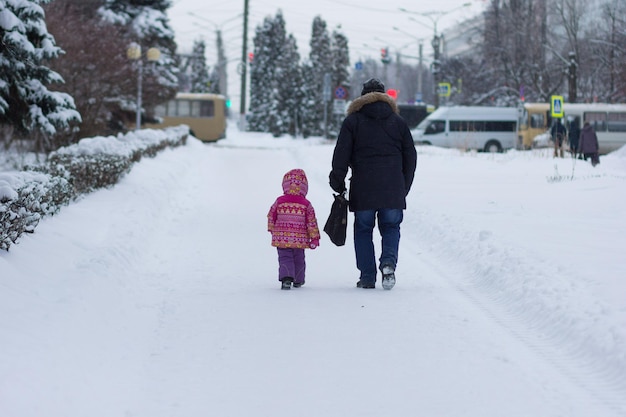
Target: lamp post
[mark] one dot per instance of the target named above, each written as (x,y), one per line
(420,45)
(436,68)
(434,17)
(221,58)
(571,65)
(134,53)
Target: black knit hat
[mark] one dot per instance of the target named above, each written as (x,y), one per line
(373,85)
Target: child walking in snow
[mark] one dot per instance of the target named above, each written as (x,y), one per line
(292,223)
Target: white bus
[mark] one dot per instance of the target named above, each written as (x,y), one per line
(489,129)
(608,120)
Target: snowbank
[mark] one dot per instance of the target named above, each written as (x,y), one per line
(93,163)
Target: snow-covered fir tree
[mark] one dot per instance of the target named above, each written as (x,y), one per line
(275,90)
(219,78)
(199,71)
(309,125)
(291,88)
(340,56)
(321,64)
(27,106)
(261,73)
(286,97)
(147,24)
(214,81)
(278,114)
(275,44)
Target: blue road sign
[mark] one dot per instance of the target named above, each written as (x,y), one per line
(341,93)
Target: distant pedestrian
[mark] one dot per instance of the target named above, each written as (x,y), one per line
(376,145)
(588,145)
(293,225)
(558,133)
(573,136)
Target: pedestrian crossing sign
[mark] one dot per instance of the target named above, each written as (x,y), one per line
(556,107)
(444,89)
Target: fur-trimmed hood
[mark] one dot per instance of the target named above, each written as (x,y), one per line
(379,110)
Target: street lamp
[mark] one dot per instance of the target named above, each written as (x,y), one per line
(571,65)
(221,59)
(420,44)
(134,53)
(436,69)
(434,17)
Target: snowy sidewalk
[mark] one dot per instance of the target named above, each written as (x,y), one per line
(159,297)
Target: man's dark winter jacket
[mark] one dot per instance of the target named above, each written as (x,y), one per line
(376,144)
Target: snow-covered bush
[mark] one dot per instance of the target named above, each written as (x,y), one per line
(93,163)
(26,197)
(87,173)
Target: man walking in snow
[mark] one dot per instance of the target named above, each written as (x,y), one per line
(377,145)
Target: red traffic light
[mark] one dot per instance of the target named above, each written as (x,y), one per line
(392,93)
(250,56)
(384,55)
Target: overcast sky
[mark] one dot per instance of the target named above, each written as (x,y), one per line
(368,24)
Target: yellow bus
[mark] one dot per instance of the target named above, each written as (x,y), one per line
(204,113)
(608,121)
(535,120)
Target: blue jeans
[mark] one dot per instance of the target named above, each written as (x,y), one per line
(389,226)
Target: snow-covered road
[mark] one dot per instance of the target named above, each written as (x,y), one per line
(159,297)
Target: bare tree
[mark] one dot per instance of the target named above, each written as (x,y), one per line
(610,53)
(94,66)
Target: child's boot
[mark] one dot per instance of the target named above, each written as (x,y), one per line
(286,283)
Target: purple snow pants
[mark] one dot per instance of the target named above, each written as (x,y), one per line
(291,264)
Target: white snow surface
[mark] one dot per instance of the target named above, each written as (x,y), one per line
(159,297)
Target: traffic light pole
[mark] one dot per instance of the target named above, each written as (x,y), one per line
(385,59)
(571,73)
(420,70)
(436,69)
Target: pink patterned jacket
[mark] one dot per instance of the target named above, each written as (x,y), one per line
(291,219)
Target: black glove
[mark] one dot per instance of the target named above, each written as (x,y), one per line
(337,186)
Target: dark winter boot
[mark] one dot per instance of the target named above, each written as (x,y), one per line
(286,283)
(389,277)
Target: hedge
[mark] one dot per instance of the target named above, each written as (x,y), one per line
(91,164)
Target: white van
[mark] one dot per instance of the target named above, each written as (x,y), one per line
(489,129)
(607,120)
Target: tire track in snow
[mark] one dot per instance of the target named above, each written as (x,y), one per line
(546,333)
(603,382)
